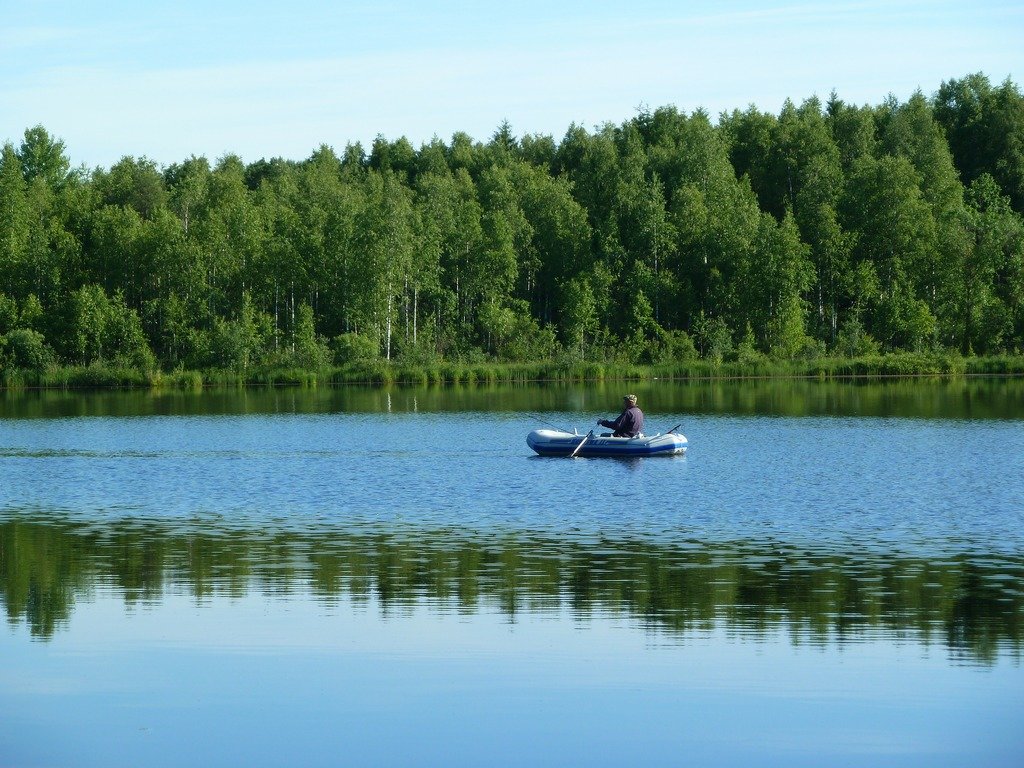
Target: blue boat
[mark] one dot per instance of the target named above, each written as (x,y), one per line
(556,442)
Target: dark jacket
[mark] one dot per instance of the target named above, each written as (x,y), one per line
(629,424)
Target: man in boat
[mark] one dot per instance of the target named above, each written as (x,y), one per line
(630,422)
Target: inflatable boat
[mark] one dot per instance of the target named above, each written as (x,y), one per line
(555,442)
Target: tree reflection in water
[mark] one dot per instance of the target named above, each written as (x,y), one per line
(968,602)
(925,398)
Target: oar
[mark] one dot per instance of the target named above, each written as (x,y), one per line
(677,426)
(577,449)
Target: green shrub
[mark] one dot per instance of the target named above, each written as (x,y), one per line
(186,380)
(26,349)
(353,347)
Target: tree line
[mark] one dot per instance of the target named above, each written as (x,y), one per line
(827,229)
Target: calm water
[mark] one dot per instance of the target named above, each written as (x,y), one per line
(833,575)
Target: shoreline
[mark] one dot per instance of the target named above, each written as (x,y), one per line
(383,374)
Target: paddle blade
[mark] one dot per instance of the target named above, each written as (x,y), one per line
(577,448)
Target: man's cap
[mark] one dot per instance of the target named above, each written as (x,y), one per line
(631,398)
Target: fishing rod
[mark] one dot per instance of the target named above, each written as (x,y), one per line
(548,423)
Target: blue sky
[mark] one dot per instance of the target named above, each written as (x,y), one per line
(168,80)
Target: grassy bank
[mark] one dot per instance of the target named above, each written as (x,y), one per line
(383,373)
(826,368)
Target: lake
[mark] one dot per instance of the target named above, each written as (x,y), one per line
(832,575)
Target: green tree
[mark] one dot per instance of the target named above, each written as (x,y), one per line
(102,328)
(15,225)
(646,234)
(397,157)
(87,309)
(578,318)
(992,290)
(750,136)
(911,132)
(452,236)
(556,242)
(25,349)
(383,253)
(310,350)
(591,164)
(491,278)
(8,313)
(714,339)
(985,129)
(124,337)
(188,186)
(853,131)
(32,313)
(241,342)
(43,156)
(133,182)
(892,228)
(784,272)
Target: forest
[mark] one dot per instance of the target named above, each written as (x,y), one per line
(829,230)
